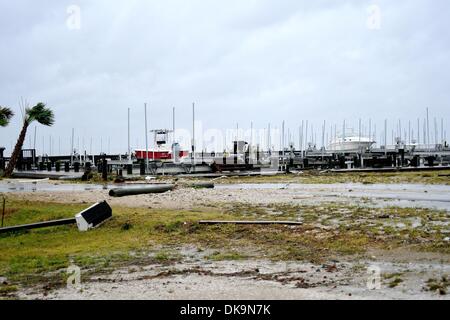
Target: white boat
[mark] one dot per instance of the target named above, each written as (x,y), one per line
(350,143)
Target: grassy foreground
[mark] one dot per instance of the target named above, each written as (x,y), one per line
(144,236)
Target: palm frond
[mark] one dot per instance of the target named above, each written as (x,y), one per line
(5,115)
(41,114)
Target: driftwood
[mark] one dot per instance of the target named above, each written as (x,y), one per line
(250,222)
(136,190)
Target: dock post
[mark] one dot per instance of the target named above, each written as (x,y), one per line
(142,168)
(257,154)
(104,169)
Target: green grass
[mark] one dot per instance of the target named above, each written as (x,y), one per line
(438,285)
(142,236)
(395,282)
(7,290)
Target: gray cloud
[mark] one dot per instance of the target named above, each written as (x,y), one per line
(263,61)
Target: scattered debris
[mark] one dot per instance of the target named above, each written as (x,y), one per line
(93,216)
(130,191)
(251,222)
(331,268)
(127,226)
(203,185)
(90,218)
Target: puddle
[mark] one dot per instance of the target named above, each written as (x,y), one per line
(13,186)
(402,195)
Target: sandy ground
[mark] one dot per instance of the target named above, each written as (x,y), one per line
(429,196)
(197,278)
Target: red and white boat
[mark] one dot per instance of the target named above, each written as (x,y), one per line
(162,151)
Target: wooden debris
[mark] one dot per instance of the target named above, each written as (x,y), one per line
(250,222)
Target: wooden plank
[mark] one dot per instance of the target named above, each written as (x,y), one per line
(211,222)
(37,225)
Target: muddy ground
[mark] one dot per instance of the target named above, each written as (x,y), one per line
(376,274)
(402,277)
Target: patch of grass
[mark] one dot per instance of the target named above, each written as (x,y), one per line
(394,283)
(438,285)
(389,276)
(222,256)
(7,290)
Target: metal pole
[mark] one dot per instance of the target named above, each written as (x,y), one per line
(359,132)
(418,131)
(173,124)
(385,137)
(282,140)
(301,138)
(34,142)
(409,132)
(3,212)
(251,135)
(71,150)
(428,131)
(306,137)
(323,137)
(374,136)
(193,136)
(435,131)
(424,133)
(129,148)
(146,138)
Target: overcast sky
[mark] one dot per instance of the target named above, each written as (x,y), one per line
(240,61)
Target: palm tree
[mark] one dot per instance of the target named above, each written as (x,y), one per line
(41,114)
(5,115)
